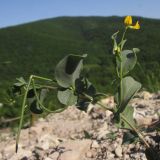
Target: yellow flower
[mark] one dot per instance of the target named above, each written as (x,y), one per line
(136,26)
(128,20)
(117,49)
(128,23)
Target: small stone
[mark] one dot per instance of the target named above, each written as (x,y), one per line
(110,155)
(108,114)
(54,155)
(102,132)
(95,144)
(45,145)
(142,121)
(47,158)
(118,151)
(137,146)
(41,120)
(119,140)
(0,156)
(126,157)
(111,147)
(131,146)
(89,154)
(145,95)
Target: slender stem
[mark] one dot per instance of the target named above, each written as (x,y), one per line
(117,72)
(103,106)
(24,105)
(121,71)
(124,33)
(133,128)
(22,113)
(88,97)
(33,119)
(40,103)
(42,78)
(49,87)
(136,130)
(121,77)
(125,120)
(9,120)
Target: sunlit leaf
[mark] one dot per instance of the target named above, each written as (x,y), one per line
(68,70)
(129,88)
(128,61)
(67,97)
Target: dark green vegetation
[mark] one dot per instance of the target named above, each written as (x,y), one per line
(35,48)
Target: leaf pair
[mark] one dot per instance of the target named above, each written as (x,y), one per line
(66,73)
(129,88)
(127,60)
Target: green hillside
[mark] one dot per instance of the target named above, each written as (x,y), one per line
(35,48)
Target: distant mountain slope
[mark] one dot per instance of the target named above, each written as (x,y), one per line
(35,48)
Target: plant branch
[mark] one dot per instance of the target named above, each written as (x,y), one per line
(40,103)
(135,130)
(22,112)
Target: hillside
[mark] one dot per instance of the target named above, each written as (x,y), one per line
(35,48)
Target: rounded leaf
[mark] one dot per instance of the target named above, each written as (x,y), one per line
(35,108)
(68,70)
(128,60)
(129,88)
(67,97)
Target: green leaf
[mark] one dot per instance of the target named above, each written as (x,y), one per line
(128,60)
(128,114)
(68,70)
(43,94)
(136,50)
(87,135)
(98,96)
(111,136)
(83,85)
(67,97)
(35,105)
(122,43)
(114,38)
(129,88)
(116,99)
(16,90)
(21,82)
(35,108)
(30,93)
(129,137)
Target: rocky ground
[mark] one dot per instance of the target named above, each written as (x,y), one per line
(76,135)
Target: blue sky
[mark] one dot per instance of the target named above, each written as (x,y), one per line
(13,12)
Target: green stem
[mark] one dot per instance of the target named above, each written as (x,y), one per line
(24,105)
(135,130)
(121,71)
(88,97)
(103,106)
(131,126)
(48,87)
(42,78)
(124,33)
(107,108)
(22,113)
(121,77)
(40,103)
